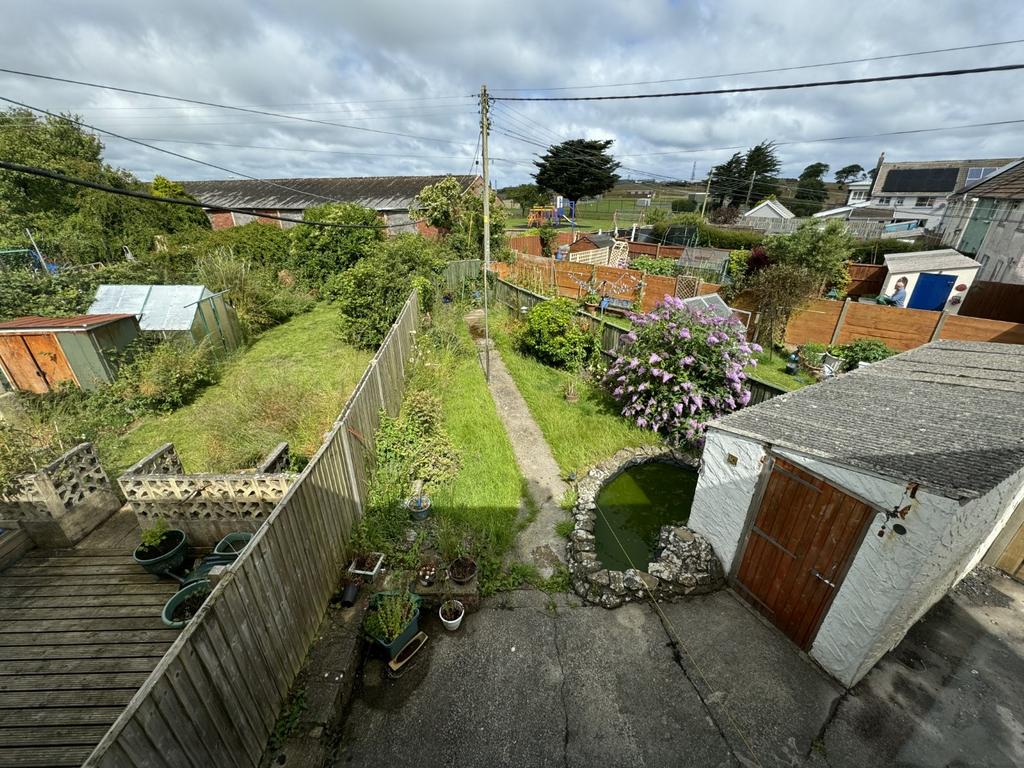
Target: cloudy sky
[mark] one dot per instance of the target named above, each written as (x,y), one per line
(411,68)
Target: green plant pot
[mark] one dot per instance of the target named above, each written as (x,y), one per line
(395,646)
(233,543)
(177,599)
(169,561)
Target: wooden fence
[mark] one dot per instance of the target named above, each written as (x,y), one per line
(530,244)
(214,697)
(835,322)
(995,301)
(866,279)
(457,273)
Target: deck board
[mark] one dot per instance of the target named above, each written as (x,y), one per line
(80,631)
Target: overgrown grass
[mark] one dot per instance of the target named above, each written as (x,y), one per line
(290,385)
(580,434)
(772,370)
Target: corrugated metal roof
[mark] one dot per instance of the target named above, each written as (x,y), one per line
(381,193)
(946,415)
(37,324)
(925,261)
(159,307)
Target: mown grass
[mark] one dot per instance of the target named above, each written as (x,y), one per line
(290,385)
(580,434)
(771,369)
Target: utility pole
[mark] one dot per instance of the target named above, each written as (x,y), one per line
(707,192)
(750,189)
(484,130)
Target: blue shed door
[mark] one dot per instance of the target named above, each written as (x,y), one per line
(931,291)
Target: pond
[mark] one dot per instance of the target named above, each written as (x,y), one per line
(633,508)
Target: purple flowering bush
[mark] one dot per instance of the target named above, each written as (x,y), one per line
(680,367)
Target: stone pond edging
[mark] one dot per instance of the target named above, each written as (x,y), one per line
(684,563)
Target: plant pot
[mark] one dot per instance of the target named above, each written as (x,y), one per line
(233,543)
(168,561)
(452,624)
(419,507)
(177,599)
(408,633)
(462,570)
(349,595)
(371,574)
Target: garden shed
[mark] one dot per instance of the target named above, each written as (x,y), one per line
(174,311)
(936,280)
(38,354)
(844,510)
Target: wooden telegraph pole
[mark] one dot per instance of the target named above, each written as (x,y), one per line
(484,130)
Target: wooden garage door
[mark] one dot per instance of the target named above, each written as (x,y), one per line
(798,549)
(35,363)
(50,358)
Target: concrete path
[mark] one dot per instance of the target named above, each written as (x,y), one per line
(537,544)
(537,681)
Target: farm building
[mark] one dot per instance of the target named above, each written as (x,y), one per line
(391,196)
(173,311)
(844,510)
(39,353)
(936,280)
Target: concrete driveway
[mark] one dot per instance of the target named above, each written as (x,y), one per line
(531,681)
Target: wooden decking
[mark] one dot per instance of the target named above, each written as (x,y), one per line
(80,631)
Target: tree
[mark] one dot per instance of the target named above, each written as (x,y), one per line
(526,196)
(823,251)
(780,290)
(319,252)
(811,192)
(848,173)
(458,215)
(577,168)
(731,181)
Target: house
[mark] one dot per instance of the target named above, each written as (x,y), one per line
(769,209)
(936,280)
(192,312)
(917,191)
(38,354)
(391,196)
(844,510)
(858,191)
(986,219)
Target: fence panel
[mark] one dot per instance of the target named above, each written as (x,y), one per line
(814,324)
(900,329)
(995,301)
(976,329)
(214,697)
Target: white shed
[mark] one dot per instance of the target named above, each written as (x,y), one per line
(770,209)
(844,510)
(936,280)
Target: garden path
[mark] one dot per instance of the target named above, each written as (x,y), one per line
(538,543)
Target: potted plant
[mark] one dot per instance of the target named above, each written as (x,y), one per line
(367,565)
(427,574)
(418,506)
(185,603)
(462,570)
(162,548)
(393,620)
(451,612)
(233,543)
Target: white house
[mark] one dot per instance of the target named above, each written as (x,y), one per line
(936,280)
(844,510)
(769,209)
(858,191)
(986,219)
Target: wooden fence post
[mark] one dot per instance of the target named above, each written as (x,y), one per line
(937,333)
(839,322)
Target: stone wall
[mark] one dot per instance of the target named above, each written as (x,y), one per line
(61,503)
(205,506)
(684,562)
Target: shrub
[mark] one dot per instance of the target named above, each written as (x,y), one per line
(678,369)
(548,236)
(552,333)
(18,453)
(822,251)
(370,294)
(738,263)
(167,376)
(684,205)
(664,267)
(861,350)
(318,252)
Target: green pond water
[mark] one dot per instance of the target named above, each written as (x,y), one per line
(635,506)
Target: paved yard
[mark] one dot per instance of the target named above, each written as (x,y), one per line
(534,681)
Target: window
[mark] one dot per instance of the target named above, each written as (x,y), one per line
(924,202)
(857,194)
(884,200)
(977,174)
(898,201)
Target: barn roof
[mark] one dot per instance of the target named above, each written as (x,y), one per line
(946,415)
(381,193)
(159,307)
(37,324)
(926,261)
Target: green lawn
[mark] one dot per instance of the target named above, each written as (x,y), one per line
(772,370)
(580,434)
(289,385)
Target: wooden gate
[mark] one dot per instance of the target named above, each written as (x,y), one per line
(34,362)
(799,548)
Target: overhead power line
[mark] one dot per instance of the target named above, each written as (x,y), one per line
(759,88)
(48,174)
(762,71)
(200,102)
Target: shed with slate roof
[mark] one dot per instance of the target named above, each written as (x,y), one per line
(844,510)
